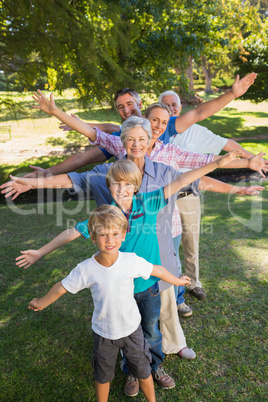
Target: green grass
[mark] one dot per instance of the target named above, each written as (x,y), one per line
(46,356)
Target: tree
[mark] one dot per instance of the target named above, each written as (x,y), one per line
(252,55)
(96,47)
(229,21)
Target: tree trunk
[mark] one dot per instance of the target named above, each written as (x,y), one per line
(189,73)
(206,67)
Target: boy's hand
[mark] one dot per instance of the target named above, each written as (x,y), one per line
(259,164)
(239,87)
(27,258)
(35,305)
(15,187)
(47,106)
(184,280)
(250,190)
(224,160)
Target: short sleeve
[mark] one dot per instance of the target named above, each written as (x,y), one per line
(154,201)
(82,228)
(142,267)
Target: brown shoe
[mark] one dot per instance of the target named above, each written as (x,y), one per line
(163,379)
(199,293)
(131,387)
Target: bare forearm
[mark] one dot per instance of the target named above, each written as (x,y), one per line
(210,184)
(160,272)
(235,164)
(54,294)
(92,155)
(106,127)
(75,124)
(233,145)
(63,238)
(58,181)
(208,108)
(188,177)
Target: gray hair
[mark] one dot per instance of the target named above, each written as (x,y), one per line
(125,91)
(168,93)
(135,121)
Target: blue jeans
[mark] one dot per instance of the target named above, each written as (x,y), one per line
(179,290)
(149,304)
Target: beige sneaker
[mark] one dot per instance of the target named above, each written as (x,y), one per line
(163,379)
(184,310)
(131,387)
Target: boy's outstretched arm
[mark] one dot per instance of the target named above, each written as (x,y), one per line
(29,257)
(160,272)
(54,294)
(186,178)
(207,109)
(48,106)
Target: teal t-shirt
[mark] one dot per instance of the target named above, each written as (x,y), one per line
(141,237)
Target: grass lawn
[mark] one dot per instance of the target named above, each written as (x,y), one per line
(46,356)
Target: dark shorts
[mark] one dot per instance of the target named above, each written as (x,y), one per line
(135,349)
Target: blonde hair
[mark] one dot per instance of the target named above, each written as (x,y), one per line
(106,217)
(155,106)
(124,170)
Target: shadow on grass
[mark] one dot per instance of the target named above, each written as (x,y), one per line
(93,112)
(232,127)
(47,355)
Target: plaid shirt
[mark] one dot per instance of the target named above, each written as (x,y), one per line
(170,154)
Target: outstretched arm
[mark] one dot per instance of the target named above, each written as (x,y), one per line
(188,177)
(210,184)
(232,145)
(20,185)
(165,275)
(71,164)
(107,127)
(54,294)
(211,107)
(48,106)
(255,162)
(29,257)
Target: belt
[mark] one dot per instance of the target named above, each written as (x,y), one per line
(184,194)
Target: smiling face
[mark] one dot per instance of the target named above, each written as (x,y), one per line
(172,102)
(109,240)
(136,143)
(127,106)
(159,120)
(122,193)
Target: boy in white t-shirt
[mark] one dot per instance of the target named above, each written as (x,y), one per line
(116,319)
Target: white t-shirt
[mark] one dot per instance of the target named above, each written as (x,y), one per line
(115,314)
(199,139)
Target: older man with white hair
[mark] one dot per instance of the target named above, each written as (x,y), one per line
(195,139)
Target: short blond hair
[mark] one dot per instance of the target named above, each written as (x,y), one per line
(106,217)
(155,106)
(124,170)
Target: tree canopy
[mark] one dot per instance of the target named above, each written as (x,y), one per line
(100,46)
